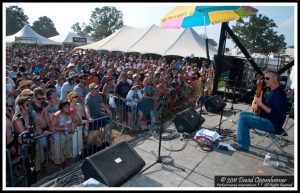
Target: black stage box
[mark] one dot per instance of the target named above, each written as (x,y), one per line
(188,120)
(114,165)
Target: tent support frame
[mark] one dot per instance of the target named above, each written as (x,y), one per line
(219,58)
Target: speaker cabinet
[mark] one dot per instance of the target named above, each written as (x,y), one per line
(114,165)
(214,104)
(188,120)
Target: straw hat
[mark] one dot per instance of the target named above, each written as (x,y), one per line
(23,83)
(26,92)
(71,95)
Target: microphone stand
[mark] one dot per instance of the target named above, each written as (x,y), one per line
(28,144)
(159,157)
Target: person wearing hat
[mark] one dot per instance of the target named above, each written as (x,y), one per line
(25,93)
(20,120)
(23,84)
(134,98)
(41,124)
(70,68)
(77,113)
(68,86)
(93,78)
(94,114)
(75,106)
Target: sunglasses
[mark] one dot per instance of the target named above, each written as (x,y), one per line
(267,78)
(75,97)
(40,99)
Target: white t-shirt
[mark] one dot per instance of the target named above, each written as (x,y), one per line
(132,95)
(66,88)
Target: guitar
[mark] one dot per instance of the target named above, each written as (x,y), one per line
(258,94)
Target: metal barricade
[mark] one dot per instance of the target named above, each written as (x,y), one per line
(129,114)
(53,151)
(97,135)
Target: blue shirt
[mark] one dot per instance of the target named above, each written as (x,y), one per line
(277,101)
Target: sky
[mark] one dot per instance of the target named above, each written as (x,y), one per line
(64,15)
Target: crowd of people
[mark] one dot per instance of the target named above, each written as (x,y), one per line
(55,91)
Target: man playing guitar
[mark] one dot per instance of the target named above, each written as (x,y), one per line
(272,116)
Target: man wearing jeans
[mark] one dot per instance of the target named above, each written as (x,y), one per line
(273,113)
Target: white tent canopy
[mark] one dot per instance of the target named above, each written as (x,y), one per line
(69,38)
(28,35)
(154,40)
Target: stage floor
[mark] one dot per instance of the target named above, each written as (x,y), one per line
(200,167)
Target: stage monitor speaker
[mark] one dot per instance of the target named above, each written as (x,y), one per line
(188,120)
(114,165)
(214,104)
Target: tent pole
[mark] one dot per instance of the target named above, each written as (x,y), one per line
(207,50)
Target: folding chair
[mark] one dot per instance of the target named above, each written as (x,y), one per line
(277,138)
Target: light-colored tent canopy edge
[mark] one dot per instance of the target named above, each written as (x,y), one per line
(28,35)
(70,38)
(154,40)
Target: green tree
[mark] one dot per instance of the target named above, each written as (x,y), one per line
(82,29)
(105,21)
(44,26)
(259,36)
(15,19)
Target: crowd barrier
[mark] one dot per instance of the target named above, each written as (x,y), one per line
(56,150)
(137,115)
(59,150)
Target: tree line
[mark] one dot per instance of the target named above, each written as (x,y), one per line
(103,22)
